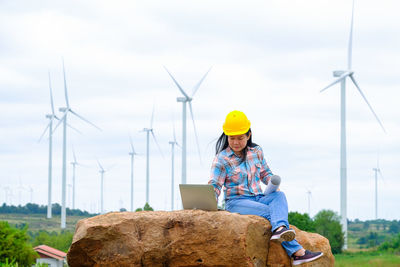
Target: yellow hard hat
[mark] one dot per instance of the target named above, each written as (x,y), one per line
(236,123)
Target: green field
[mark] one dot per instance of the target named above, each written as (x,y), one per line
(366,259)
(40,222)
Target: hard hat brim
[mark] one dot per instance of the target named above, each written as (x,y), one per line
(236,133)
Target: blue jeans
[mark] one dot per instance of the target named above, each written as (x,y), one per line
(272,207)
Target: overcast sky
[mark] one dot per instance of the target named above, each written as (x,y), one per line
(269,59)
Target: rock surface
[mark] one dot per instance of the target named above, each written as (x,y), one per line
(184,238)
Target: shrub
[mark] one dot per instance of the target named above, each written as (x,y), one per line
(392,245)
(14,246)
(327,223)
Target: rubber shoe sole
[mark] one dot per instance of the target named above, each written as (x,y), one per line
(298,262)
(288,235)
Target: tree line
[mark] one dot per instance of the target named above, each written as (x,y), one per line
(373,233)
(390,227)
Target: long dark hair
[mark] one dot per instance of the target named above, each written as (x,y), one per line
(222,143)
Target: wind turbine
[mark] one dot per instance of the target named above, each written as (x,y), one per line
(49,127)
(74,163)
(342,75)
(102,171)
(172,143)
(63,119)
(148,131)
(132,154)
(377,170)
(187,99)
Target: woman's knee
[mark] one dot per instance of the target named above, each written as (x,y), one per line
(280,195)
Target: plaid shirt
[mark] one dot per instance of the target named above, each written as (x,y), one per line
(239,178)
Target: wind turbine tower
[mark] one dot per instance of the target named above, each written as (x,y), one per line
(172,143)
(49,127)
(74,163)
(187,99)
(342,76)
(102,171)
(66,110)
(148,131)
(132,154)
(376,171)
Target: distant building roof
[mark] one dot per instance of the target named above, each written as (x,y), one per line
(50,252)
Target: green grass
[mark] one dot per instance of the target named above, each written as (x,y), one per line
(367,259)
(40,222)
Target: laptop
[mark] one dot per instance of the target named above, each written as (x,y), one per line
(198,196)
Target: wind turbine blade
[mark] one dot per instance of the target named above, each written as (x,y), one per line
(83,165)
(177,84)
(344,75)
(45,130)
(158,146)
(101,167)
(377,160)
(195,131)
(178,145)
(59,122)
(199,83)
(65,85)
(366,101)
(381,174)
(350,49)
(210,143)
(73,128)
(73,153)
(51,97)
(130,140)
(152,117)
(173,131)
(82,118)
(111,167)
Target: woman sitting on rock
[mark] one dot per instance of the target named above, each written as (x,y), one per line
(239,166)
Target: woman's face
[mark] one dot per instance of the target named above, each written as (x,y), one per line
(238,142)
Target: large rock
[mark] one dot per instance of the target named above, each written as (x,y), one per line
(183,238)
(277,256)
(179,238)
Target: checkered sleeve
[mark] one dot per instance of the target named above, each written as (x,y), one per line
(265,172)
(218,175)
